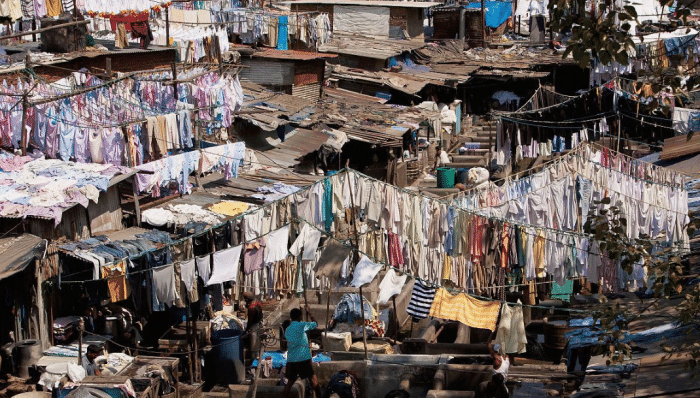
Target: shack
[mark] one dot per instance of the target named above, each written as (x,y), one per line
(380,19)
(298,73)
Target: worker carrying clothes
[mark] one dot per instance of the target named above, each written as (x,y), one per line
(254,313)
(496,388)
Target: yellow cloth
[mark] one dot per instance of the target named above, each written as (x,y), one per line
(465,309)
(538,254)
(53,8)
(116,281)
(374,348)
(447,269)
(229,208)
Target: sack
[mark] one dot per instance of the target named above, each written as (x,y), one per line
(76,372)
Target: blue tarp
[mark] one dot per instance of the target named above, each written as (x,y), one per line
(496,12)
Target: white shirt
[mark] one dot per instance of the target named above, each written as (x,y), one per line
(538,7)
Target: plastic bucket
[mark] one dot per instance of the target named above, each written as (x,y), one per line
(226,357)
(445,177)
(462,176)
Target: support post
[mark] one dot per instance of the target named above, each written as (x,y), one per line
(167,29)
(364,329)
(254,390)
(189,350)
(34,28)
(81,326)
(396,318)
(173,67)
(25,108)
(108,68)
(483,23)
(328,311)
(137,206)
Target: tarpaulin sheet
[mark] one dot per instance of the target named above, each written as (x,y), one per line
(496,12)
(368,21)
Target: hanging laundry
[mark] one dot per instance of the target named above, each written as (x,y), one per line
(396,259)
(204,268)
(164,284)
(364,272)
(422,298)
(116,281)
(225,265)
(332,258)
(277,243)
(189,278)
(391,286)
(307,241)
(465,309)
(511,330)
(253,257)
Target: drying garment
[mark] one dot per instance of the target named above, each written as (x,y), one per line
(422,298)
(225,265)
(253,257)
(390,286)
(164,284)
(121,40)
(396,259)
(204,268)
(189,276)
(277,243)
(364,272)
(116,281)
(465,309)
(511,330)
(332,259)
(348,309)
(307,240)
(95,142)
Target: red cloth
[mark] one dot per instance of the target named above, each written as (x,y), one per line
(126,20)
(396,259)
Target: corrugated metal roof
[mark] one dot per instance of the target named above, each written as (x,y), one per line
(16,253)
(370,3)
(285,54)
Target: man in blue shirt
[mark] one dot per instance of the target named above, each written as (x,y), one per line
(298,352)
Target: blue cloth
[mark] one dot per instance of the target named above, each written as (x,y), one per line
(694,121)
(282,33)
(497,12)
(348,309)
(279,361)
(297,341)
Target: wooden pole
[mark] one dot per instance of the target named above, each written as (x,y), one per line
(483,24)
(108,68)
(167,29)
(174,70)
(33,29)
(137,206)
(81,325)
(25,108)
(254,390)
(396,319)
(328,311)
(189,349)
(303,285)
(364,329)
(34,32)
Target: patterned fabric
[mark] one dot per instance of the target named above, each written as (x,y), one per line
(465,309)
(421,300)
(396,259)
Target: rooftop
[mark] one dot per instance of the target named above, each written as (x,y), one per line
(368,3)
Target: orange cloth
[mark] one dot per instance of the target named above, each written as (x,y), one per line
(116,281)
(53,8)
(465,309)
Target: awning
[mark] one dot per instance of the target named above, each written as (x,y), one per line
(16,253)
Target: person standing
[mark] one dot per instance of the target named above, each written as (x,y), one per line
(299,362)
(254,316)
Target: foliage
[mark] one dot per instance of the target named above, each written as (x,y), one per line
(665,268)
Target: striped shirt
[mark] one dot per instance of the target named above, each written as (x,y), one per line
(421,300)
